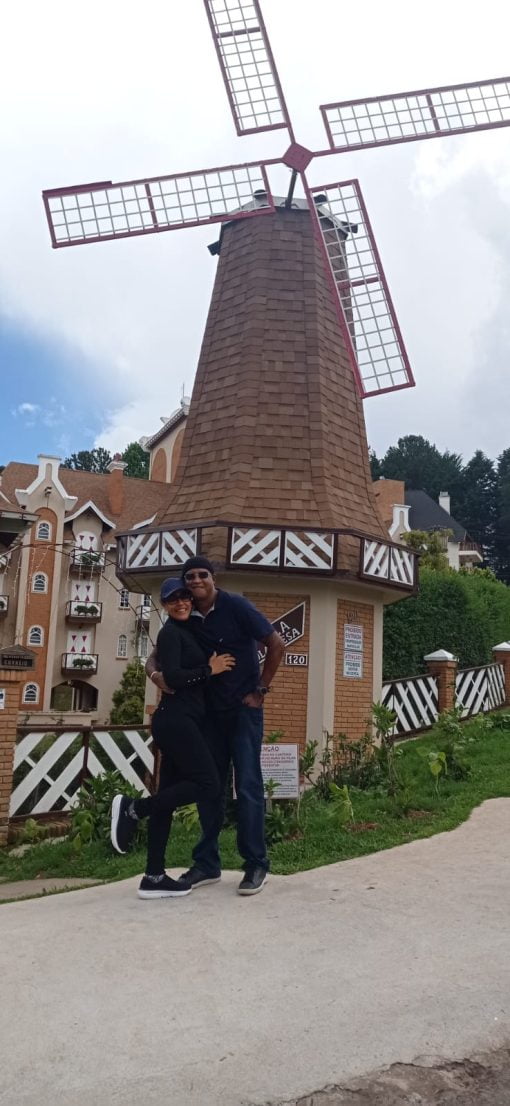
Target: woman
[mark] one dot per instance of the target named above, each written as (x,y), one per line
(187,770)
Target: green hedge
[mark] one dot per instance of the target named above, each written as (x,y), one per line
(465,613)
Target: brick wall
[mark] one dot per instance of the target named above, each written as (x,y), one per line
(37,612)
(353,697)
(10,683)
(285,707)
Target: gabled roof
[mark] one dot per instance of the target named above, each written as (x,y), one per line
(426,514)
(170,424)
(142,498)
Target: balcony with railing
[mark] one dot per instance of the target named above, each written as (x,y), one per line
(79,664)
(87,561)
(143,614)
(470,553)
(78,610)
(4,605)
(268,549)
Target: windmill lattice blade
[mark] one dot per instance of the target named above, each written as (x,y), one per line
(251,80)
(426,113)
(366,313)
(99,212)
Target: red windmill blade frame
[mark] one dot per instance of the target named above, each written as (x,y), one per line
(102,211)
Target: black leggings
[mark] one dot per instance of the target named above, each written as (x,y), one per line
(187,774)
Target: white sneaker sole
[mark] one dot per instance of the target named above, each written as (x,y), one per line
(163,894)
(115,822)
(252,891)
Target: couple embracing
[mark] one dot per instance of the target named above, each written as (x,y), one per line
(210,716)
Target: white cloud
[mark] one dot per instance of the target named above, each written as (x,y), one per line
(107,98)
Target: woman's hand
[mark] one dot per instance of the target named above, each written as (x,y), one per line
(222,663)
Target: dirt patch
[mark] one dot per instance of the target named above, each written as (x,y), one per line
(481,1081)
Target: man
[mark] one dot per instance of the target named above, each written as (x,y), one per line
(228,623)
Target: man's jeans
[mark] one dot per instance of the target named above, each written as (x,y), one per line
(235,735)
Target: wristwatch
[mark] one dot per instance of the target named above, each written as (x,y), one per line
(263,690)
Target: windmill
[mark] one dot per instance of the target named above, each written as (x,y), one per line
(105,210)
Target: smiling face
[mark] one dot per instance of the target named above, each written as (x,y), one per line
(201,584)
(178,607)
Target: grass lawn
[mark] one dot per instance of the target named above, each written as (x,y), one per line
(322,842)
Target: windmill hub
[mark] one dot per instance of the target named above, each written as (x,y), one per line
(297,157)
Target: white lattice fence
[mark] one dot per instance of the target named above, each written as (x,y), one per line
(415,702)
(49,767)
(480,689)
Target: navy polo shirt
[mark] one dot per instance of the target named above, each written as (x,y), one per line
(233,626)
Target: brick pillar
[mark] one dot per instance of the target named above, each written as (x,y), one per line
(10,687)
(443,666)
(501,655)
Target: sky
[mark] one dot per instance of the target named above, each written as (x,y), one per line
(97,343)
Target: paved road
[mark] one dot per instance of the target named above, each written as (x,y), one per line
(216,999)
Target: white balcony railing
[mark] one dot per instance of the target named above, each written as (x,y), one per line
(82,664)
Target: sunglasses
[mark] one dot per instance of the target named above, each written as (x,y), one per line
(178,598)
(203,575)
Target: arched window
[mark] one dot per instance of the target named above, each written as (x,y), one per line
(43,531)
(35,635)
(122,645)
(31,693)
(143,645)
(40,582)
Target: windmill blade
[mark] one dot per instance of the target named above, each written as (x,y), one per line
(426,113)
(365,310)
(102,211)
(247,66)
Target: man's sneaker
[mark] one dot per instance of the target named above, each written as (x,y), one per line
(252,882)
(164,888)
(123,826)
(197,878)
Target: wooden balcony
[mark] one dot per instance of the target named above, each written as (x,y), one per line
(4,605)
(86,562)
(77,610)
(293,551)
(79,664)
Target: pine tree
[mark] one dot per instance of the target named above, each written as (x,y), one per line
(502,522)
(477,507)
(137,461)
(128,700)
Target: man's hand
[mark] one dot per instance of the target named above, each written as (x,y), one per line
(253,699)
(158,680)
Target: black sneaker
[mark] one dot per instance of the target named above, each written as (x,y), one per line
(123,826)
(197,878)
(165,888)
(252,882)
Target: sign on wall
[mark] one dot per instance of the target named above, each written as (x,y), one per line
(2,698)
(17,657)
(281,764)
(297,660)
(353,651)
(290,627)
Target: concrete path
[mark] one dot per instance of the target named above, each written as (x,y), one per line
(25,888)
(215,999)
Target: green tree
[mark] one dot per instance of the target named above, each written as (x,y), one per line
(137,461)
(375,464)
(128,700)
(89,460)
(421,465)
(477,506)
(502,520)
(431,546)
